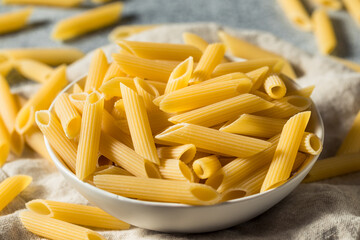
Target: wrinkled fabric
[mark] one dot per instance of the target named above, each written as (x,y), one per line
(327,209)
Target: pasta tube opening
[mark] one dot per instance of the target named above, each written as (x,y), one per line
(24,119)
(299,102)
(73,126)
(39,207)
(188,153)
(16,142)
(216,180)
(151,170)
(204,193)
(232,194)
(186,172)
(311,144)
(43,118)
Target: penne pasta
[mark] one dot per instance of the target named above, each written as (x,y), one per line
(185,153)
(77,88)
(4,143)
(324,32)
(353,7)
(304,92)
(350,143)
(87,152)
(329,4)
(56,229)
(160,51)
(205,167)
(11,187)
(194,40)
(159,121)
(76,214)
(35,140)
(33,70)
(124,31)
(296,13)
(174,169)
(112,170)
(160,86)
(204,138)
(275,87)
(87,21)
(116,130)
(14,21)
(113,71)
(148,94)
(78,100)
(53,3)
(118,111)
(41,100)
(258,77)
(97,71)
(180,76)
(262,95)
(111,88)
(310,144)
(223,111)
(286,150)
(166,190)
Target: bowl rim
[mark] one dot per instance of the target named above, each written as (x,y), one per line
(64,170)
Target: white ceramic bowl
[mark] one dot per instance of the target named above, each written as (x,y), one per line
(172,217)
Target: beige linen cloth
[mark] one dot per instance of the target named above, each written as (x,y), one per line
(328,209)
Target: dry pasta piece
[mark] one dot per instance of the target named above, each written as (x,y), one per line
(226,77)
(97,71)
(262,95)
(175,169)
(324,32)
(69,117)
(258,77)
(334,166)
(139,124)
(275,87)
(111,88)
(296,13)
(110,169)
(205,167)
(185,153)
(35,140)
(14,21)
(158,189)
(118,111)
(124,31)
(159,121)
(329,4)
(211,57)
(78,100)
(113,71)
(52,130)
(351,142)
(194,40)
(213,140)
(87,152)
(55,229)
(33,70)
(256,126)
(286,150)
(161,51)
(353,7)
(304,92)
(160,86)
(180,76)
(115,129)
(148,94)
(76,214)
(41,100)
(11,187)
(310,144)
(87,21)
(4,143)
(54,3)
(77,89)
(223,111)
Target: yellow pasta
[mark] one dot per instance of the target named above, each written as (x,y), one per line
(159,121)
(77,88)
(256,126)
(6,66)
(87,152)
(148,94)
(87,21)
(226,77)
(334,166)
(54,3)
(4,143)
(258,77)
(310,144)
(161,51)
(324,32)
(35,140)
(78,100)
(353,7)
(118,111)
(329,4)
(286,150)
(180,76)
(14,21)
(139,125)
(51,128)
(304,92)
(111,88)
(124,31)
(158,189)
(33,70)
(69,117)
(296,13)
(11,187)
(110,169)
(212,140)
(205,167)
(286,107)
(144,68)
(211,57)
(223,111)
(351,142)
(262,95)
(275,87)
(194,40)
(113,71)
(76,214)
(160,86)
(56,229)
(174,169)
(185,153)
(97,71)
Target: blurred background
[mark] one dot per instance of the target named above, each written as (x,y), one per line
(264,15)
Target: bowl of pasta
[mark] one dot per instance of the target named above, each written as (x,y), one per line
(172,138)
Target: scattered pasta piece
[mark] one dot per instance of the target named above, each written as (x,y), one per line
(14,21)
(296,13)
(11,187)
(324,32)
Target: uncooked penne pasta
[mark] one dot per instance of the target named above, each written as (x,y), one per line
(304,92)
(77,89)
(124,31)
(258,77)
(185,153)
(14,21)
(54,229)
(353,7)
(87,152)
(194,40)
(160,86)
(324,32)
(76,214)
(211,57)
(4,143)
(223,111)
(11,187)
(161,51)
(78,100)
(296,13)
(111,88)
(113,71)
(112,170)
(166,190)
(226,77)
(286,150)
(52,130)
(144,68)
(139,124)
(310,144)
(351,143)
(148,94)
(205,167)
(41,100)
(33,70)
(54,3)
(275,87)
(262,95)
(118,112)
(87,21)
(35,140)
(329,4)
(174,169)
(256,126)
(212,140)
(180,76)
(69,117)
(97,71)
